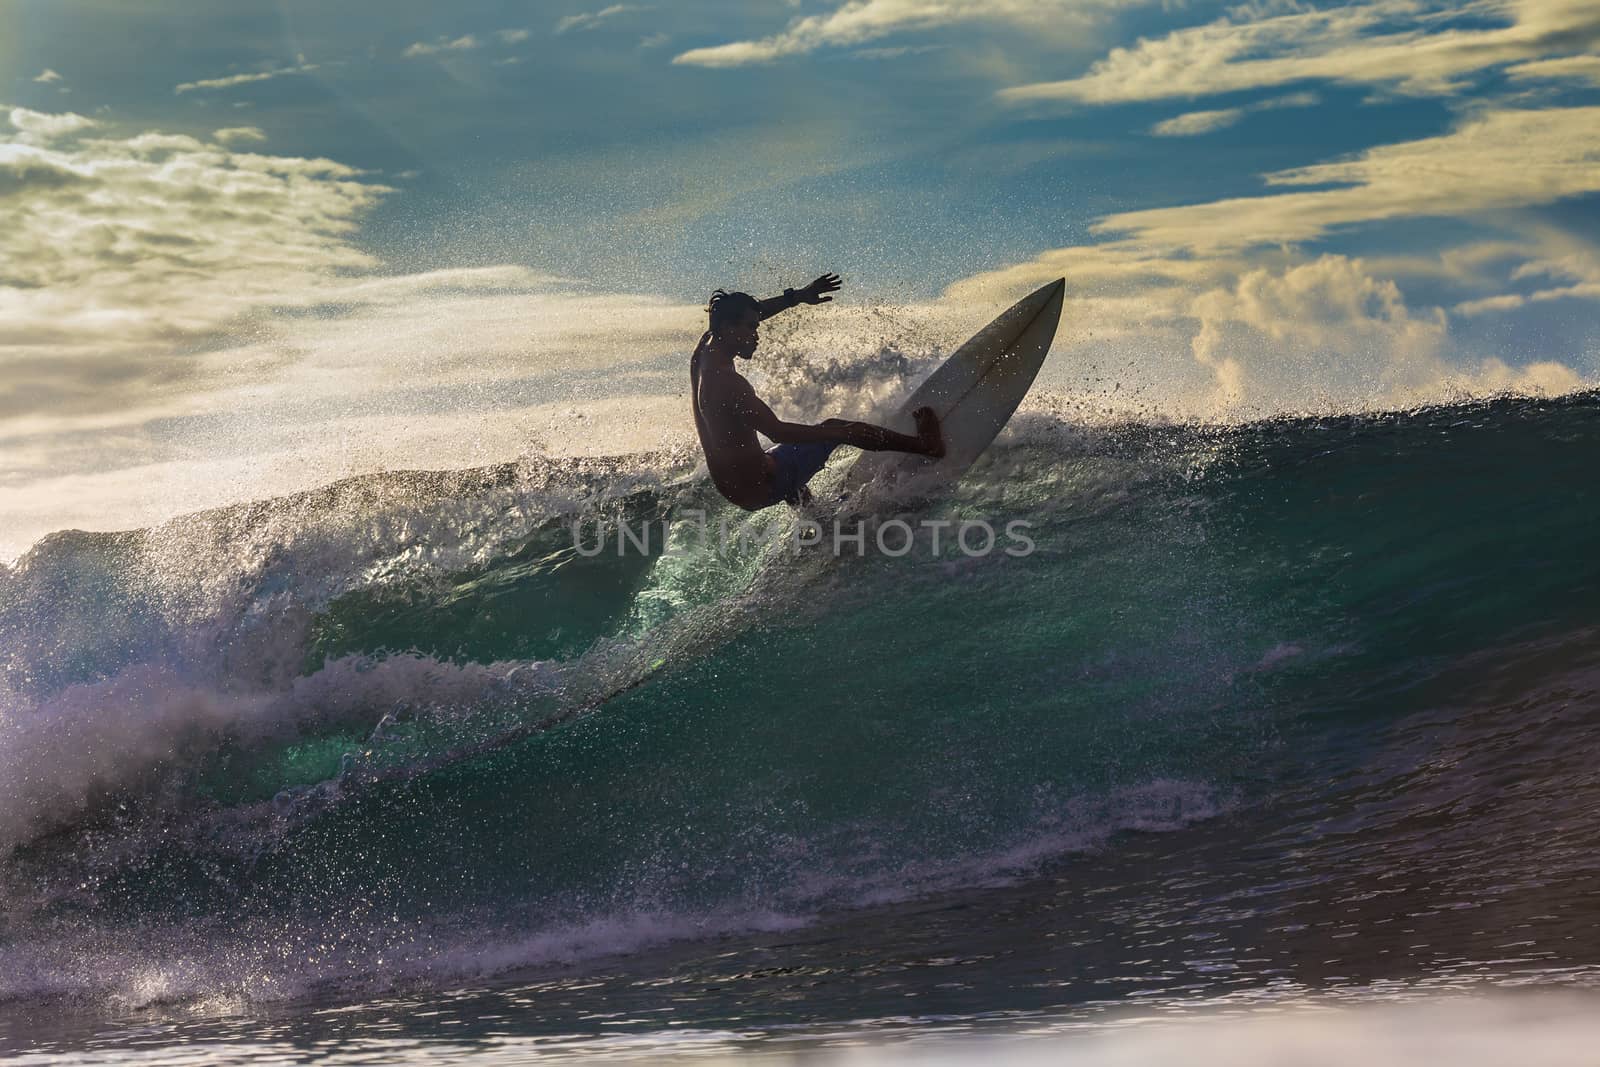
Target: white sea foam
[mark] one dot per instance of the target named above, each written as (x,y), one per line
(62,755)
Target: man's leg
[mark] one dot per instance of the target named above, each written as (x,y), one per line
(928,440)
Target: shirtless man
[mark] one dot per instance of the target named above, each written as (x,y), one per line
(728,414)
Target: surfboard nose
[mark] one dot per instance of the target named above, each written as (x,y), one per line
(1055,290)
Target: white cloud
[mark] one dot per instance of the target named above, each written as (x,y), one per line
(239,135)
(1195,123)
(120,253)
(164,277)
(1496,160)
(466,43)
(37,127)
(1139,286)
(859,21)
(1565,259)
(231,80)
(1222,339)
(1355,44)
(1320,335)
(588,20)
(1582,69)
(460,44)
(448,368)
(1229,288)
(47,76)
(1484,305)
(896,52)
(1495,376)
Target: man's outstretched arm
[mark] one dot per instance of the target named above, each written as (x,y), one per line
(815,293)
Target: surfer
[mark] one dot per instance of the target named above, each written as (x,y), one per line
(728,414)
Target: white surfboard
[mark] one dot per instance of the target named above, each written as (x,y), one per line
(974,391)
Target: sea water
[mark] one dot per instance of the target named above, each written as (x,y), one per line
(1279,744)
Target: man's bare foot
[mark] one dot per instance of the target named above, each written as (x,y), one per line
(929,430)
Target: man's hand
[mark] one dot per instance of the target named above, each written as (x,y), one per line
(813,293)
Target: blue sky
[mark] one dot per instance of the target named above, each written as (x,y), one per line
(261,243)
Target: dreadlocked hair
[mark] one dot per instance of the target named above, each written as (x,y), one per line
(724,307)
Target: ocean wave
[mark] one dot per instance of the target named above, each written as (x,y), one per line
(414,692)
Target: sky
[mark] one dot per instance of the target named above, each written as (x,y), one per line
(256,247)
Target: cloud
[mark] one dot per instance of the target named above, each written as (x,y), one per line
(1195,123)
(37,127)
(1495,376)
(859,21)
(1503,302)
(1320,335)
(239,135)
(1230,339)
(466,43)
(459,44)
(121,254)
(184,323)
(896,52)
(1495,161)
(446,368)
(231,80)
(47,76)
(1565,259)
(589,20)
(1582,69)
(1355,44)
(1229,287)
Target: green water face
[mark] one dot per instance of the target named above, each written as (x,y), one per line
(808,725)
(545,600)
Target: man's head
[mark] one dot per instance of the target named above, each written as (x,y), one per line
(735,318)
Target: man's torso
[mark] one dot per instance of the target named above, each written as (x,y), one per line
(739,468)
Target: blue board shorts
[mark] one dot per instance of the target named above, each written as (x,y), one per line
(796,465)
